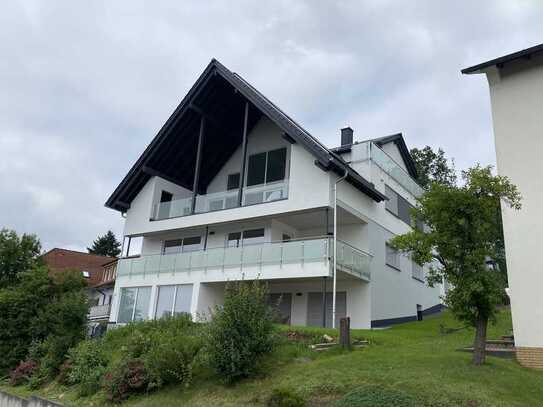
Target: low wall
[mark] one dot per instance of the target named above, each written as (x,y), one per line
(9,400)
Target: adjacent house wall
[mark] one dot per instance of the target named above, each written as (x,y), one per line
(517,110)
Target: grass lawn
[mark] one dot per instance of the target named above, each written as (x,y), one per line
(415,358)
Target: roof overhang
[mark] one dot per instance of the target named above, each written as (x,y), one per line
(220,95)
(402,147)
(501,61)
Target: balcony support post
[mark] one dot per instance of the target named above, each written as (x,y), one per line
(198,164)
(324,302)
(243,155)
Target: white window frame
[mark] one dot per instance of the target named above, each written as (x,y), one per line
(419,273)
(172,310)
(182,244)
(396,266)
(135,302)
(242,232)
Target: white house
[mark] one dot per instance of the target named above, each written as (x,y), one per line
(516,89)
(232,188)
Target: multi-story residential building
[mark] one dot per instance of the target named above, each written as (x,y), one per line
(232,188)
(100,274)
(516,86)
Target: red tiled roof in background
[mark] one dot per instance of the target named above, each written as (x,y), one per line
(64,259)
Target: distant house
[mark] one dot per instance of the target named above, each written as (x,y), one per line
(232,188)
(100,272)
(516,96)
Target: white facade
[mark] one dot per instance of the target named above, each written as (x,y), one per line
(294,254)
(517,107)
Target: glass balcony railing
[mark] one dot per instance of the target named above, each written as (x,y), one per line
(221,200)
(350,259)
(388,165)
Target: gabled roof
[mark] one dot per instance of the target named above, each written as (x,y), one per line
(221,95)
(404,151)
(499,62)
(58,260)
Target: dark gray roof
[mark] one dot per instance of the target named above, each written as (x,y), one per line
(175,141)
(499,62)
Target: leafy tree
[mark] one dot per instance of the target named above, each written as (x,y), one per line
(106,245)
(433,167)
(241,332)
(17,254)
(45,312)
(462,234)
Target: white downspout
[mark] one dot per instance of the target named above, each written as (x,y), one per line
(335,250)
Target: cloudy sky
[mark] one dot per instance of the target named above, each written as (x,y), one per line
(85,86)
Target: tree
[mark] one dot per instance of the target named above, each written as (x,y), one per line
(433,167)
(17,254)
(106,245)
(49,312)
(461,233)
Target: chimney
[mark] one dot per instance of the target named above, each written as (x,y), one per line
(346,136)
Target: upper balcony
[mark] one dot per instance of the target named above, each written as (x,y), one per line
(269,260)
(394,170)
(229,199)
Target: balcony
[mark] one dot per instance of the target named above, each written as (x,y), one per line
(296,258)
(388,165)
(221,200)
(99,312)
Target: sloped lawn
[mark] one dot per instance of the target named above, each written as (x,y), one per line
(415,358)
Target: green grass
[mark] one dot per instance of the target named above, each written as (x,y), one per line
(414,358)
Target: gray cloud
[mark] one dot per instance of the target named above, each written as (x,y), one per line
(86,85)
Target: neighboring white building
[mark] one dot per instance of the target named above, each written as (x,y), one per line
(516,94)
(263,208)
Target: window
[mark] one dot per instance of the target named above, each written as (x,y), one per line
(392,203)
(266,167)
(247,237)
(134,304)
(392,257)
(398,205)
(187,244)
(233,181)
(173,300)
(417,272)
(286,238)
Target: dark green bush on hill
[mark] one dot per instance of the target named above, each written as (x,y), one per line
(286,398)
(50,313)
(241,331)
(376,396)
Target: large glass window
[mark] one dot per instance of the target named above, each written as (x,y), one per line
(267,167)
(392,257)
(187,244)
(275,167)
(173,300)
(233,181)
(247,237)
(392,203)
(256,169)
(134,304)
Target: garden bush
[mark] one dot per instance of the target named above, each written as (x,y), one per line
(22,373)
(376,396)
(87,365)
(286,398)
(241,331)
(126,378)
(171,358)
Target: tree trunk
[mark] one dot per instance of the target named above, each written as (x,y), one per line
(479,345)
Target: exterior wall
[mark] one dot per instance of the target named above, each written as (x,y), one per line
(517,108)
(300,197)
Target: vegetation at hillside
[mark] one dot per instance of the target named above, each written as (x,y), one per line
(416,361)
(106,245)
(461,235)
(41,316)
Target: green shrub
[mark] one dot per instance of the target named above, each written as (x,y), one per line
(126,378)
(241,331)
(286,398)
(87,365)
(171,358)
(375,396)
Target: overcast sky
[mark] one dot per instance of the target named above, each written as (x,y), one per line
(85,85)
